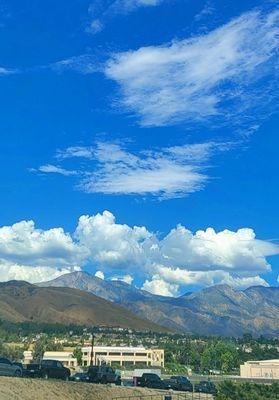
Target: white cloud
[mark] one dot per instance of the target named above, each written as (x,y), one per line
(160,287)
(207,10)
(204,250)
(102,11)
(53,169)
(207,278)
(100,274)
(110,244)
(24,244)
(171,172)
(126,278)
(10,271)
(83,64)
(95,26)
(124,253)
(212,75)
(6,71)
(76,151)
(125,6)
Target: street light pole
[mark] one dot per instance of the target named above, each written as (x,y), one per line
(92,348)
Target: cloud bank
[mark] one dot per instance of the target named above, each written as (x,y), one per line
(118,251)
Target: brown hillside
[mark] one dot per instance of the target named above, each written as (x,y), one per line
(21,301)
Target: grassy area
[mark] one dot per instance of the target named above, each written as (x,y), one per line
(228,390)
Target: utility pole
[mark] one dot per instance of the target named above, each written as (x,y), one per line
(92,348)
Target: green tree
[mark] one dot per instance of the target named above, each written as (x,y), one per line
(38,350)
(227,361)
(78,355)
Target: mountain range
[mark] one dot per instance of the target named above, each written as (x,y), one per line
(20,301)
(217,310)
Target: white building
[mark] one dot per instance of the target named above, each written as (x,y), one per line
(66,357)
(266,369)
(124,356)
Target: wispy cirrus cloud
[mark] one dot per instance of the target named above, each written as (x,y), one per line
(219,75)
(100,11)
(171,172)
(54,169)
(7,71)
(83,64)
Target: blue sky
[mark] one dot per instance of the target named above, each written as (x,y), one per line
(160,112)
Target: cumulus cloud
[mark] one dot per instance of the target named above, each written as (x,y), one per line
(110,244)
(10,271)
(100,274)
(126,278)
(24,244)
(159,286)
(217,75)
(167,173)
(207,278)
(123,252)
(237,251)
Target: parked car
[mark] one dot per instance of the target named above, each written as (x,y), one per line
(103,374)
(8,368)
(181,383)
(48,369)
(80,377)
(206,387)
(153,381)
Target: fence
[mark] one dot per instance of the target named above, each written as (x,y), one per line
(168,396)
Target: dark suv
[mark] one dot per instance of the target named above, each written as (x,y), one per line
(206,387)
(153,381)
(48,369)
(181,383)
(103,374)
(8,368)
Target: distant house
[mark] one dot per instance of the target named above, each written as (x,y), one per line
(266,369)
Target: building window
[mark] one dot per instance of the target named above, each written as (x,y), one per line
(114,354)
(128,354)
(141,354)
(85,363)
(85,353)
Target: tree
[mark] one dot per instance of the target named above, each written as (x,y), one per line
(38,350)
(227,361)
(78,355)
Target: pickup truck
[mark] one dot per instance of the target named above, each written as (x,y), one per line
(153,381)
(47,369)
(103,374)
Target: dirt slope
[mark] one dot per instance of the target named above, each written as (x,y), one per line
(39,389)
